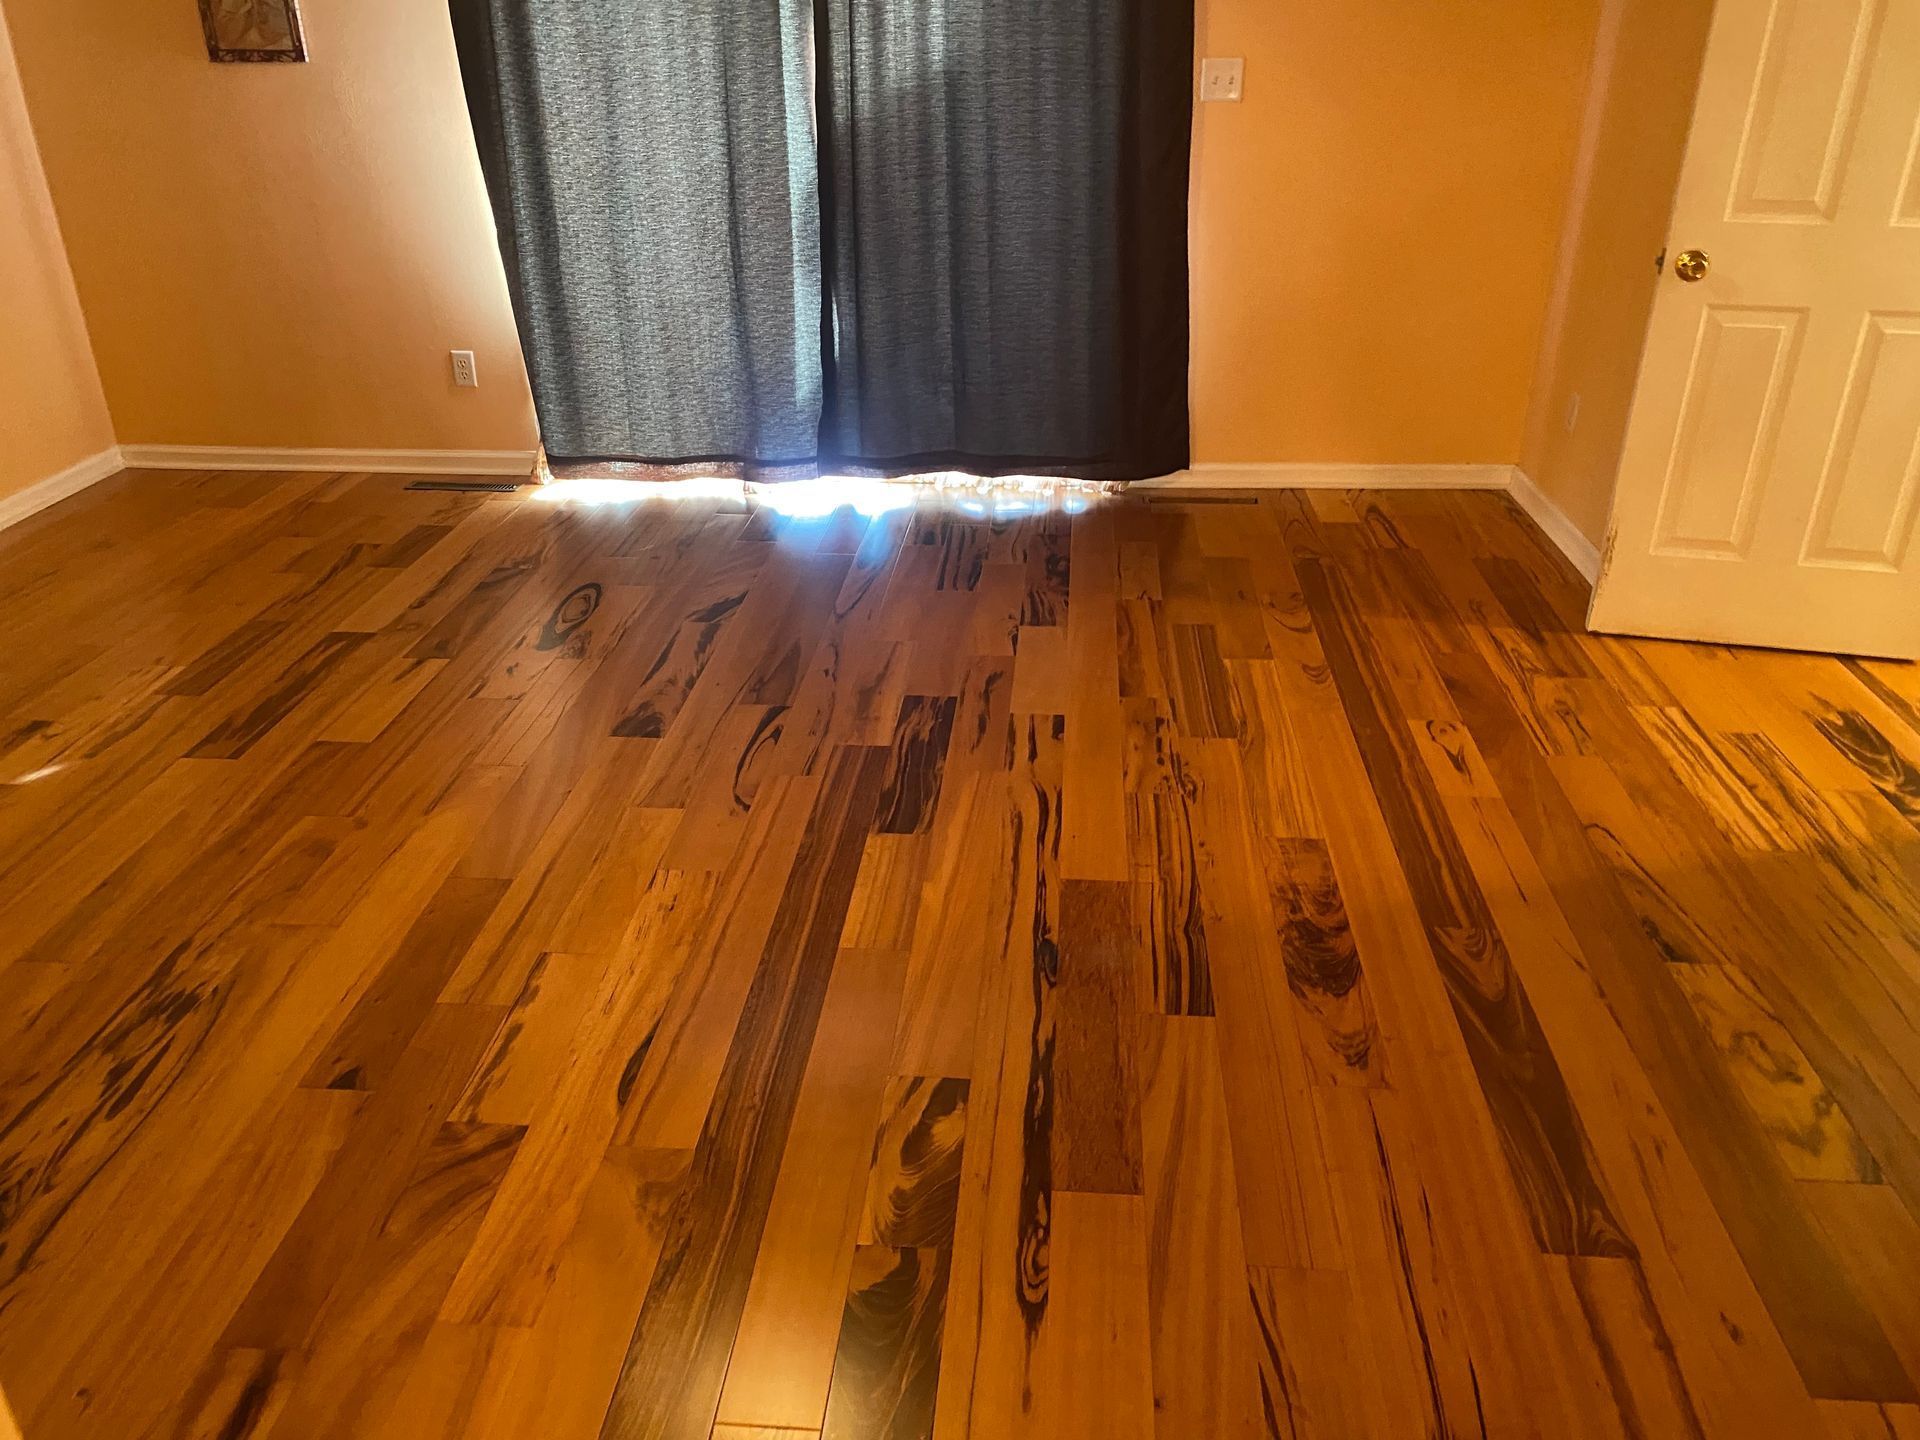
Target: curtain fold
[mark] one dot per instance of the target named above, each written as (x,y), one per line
(653,180)
(1005,201)
(872,238)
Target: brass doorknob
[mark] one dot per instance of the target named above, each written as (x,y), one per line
(1692,265)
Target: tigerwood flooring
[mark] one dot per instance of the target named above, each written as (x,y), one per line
(1180,965)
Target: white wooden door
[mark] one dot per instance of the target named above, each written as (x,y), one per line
(1769,488)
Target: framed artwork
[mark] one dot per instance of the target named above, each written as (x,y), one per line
(253,29)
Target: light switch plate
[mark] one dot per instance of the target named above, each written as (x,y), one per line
(1220,79)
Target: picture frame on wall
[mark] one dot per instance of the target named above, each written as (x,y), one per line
(253,30)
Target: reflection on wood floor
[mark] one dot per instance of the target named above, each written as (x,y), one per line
(1183,965)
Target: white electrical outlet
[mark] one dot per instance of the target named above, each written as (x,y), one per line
(1220,79)
(465,373)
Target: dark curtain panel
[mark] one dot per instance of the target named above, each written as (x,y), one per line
(1001,189)
(653,179)
(1005,213)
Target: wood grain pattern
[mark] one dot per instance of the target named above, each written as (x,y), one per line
(913,1186)
(1800,1114)
(886,1369)
(1169,902)
(670,1383)
(1204,1332)
(1539,1127)
(1180,964)
(782,1351)
(914,765)
(1323,962)
(1875,1236)
(1096,1104)
(1870,750)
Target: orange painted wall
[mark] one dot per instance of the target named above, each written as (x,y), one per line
(283,255)
(1642,105)
(52,412)
(276,255)
(1375,224)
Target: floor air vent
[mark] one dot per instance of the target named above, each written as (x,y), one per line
(490,487)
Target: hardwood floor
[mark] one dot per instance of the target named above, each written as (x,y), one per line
(1180,965)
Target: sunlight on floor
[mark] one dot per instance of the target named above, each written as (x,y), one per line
(32,775)
(633,492)
(816,499)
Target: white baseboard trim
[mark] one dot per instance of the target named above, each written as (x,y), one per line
(1553,521)
(350,462)
(71,481)
(1336,477)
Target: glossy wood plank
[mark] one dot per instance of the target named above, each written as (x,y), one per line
(783,1351)
(1287,1209)
(1340,1035)
(505,1278)
(886,1369)
(1206,1379)
(1096,1096)
(1093,1374)
(965,924)
(998,1321)
(671,1381)
(913,1187)
(1796,1109)
(1539,1126)
(560,1376)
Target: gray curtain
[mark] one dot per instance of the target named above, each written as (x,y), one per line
(1006,209)
(980,266)
(654,183)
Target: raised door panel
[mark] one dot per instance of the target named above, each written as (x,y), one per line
(1906,209)
(1803,111)
(1735,391)
(1865,514)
